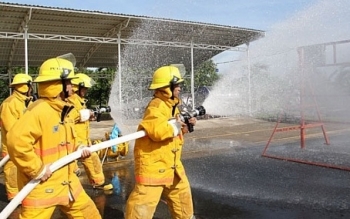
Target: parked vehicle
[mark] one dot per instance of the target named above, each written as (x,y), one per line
(200,94)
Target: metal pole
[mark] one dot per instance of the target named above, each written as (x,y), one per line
(302,93)
(10,78)
(26,41)
(192,77)
(26,48)
(249,83)
(119,71)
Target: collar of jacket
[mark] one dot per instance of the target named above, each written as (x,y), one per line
(165,95)
(74,98)
(19,95)
(56,103)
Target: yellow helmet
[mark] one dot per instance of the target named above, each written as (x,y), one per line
(82,80)
(55,69)
(21,78)
(165,76)
(21,82)
(51,74)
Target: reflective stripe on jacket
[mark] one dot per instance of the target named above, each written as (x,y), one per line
(40,138)
(158,155)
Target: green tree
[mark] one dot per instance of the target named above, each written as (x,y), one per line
(98,95)
(4,93)
(204,75)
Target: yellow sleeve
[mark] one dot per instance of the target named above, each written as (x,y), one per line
(21,139)
(155,123)
(9,115)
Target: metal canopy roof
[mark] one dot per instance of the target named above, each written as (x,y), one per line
(92,36)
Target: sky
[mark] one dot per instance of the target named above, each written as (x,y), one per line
(254,14)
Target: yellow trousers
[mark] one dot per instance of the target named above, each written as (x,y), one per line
(81,208)
(144,199)
(10,175)
(93,169)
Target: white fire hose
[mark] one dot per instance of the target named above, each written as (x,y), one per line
(5,213)
(4,160)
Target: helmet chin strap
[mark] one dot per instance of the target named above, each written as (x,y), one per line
(172,88)
(64,87)
(79,91)
(173,82)
(30,88)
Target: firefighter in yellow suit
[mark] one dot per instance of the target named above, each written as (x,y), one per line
(92,164)
(43,135)
(11,110)
(158,167)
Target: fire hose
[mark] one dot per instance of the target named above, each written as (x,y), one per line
(4,160)
(185,117)
(5,213)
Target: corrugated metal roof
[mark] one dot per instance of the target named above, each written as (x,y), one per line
(92,36)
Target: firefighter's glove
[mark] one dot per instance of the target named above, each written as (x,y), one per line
(45,174)
(176,126)
(85,153)
(77,172)
(84,115)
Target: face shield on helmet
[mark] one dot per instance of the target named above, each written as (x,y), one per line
(52,75)
(166,76)
(22,82)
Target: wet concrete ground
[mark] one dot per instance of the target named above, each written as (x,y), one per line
(230,178)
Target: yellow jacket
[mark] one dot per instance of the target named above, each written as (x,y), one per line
(44,134)
(82,128)
(11,110)
(158,155)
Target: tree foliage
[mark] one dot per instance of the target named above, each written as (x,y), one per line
(204,75)
(98,95)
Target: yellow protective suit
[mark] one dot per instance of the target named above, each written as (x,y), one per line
(11,110)
(43,135)
(158,167)
(92,164)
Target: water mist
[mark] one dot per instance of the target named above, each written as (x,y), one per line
(273,83)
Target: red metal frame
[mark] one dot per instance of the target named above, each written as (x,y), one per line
(303,125)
